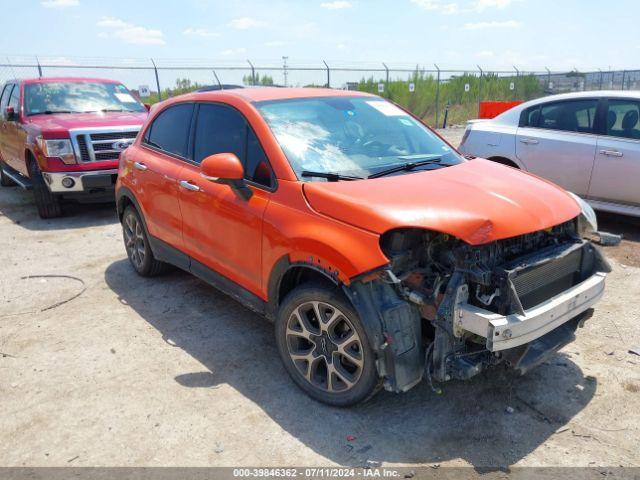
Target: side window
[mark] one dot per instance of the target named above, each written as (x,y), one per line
(530,117)
(6,89)
(14,99)
(623,119)
(4,101)
(170,130)
(219,129)
(222,129)
(570,116)
(257,168)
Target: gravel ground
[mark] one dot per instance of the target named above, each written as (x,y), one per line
(167,371)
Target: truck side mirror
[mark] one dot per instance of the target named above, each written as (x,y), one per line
(10,113)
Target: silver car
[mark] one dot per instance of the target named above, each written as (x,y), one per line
(586,142)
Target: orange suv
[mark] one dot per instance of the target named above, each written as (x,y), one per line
(381,254)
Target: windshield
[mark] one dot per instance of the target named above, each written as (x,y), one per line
(352,136)
(74,97)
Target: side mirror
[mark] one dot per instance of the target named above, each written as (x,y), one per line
(221,167)
(10,113)
(226,168)
(147,106)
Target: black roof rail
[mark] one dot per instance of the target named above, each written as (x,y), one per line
(211,88)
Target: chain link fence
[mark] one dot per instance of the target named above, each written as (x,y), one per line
(437,95)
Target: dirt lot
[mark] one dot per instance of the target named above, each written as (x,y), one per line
(170,372)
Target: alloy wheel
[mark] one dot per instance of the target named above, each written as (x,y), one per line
(134,241)
(324,346)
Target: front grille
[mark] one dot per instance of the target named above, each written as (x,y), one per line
(532,279)
(84,150)
(96,137)
(539,276)
(99,145)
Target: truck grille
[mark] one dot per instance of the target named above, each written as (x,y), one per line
(102,144)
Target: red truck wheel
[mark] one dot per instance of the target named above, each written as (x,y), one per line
(47,203)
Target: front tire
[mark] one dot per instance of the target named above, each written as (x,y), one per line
(324,346)
(136,242)
(48,204)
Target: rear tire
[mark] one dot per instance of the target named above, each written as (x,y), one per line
(324,346)
(136,242)
(47,203)
(4,180)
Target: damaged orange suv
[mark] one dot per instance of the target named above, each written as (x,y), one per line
(381,254)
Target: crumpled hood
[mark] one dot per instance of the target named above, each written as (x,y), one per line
(62,122)
(477,201)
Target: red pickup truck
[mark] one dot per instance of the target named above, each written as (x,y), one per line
(62,137)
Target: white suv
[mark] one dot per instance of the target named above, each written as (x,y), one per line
(586,142)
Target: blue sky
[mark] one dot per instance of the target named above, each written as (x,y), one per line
(561,34)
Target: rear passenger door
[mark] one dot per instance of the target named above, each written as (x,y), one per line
(156,169)
(616,173)
(557,141)
(222,229)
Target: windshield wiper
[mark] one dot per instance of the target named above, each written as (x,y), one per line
(331,176)
(405,167)
(50,112)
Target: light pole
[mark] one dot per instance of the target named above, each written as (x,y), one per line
(284,69)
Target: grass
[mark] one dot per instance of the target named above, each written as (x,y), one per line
(427,98)
(462,105)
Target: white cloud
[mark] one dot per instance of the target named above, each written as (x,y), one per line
(485,4)
(60,3)
(450,9)
(492,24)
(427,4)
(485,54)
(275,43)
(336,5)
(130,33)
(455,8)
(437,5)
(199,32)
(341,46)
(233,51)
(245,23)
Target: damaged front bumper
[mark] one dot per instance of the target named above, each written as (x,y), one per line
(509,331)
(540,299)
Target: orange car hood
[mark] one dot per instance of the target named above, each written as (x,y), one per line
(477,201)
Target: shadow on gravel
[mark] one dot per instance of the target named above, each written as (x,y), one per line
(470,420)
(628,227)
(628,252)
(18,206)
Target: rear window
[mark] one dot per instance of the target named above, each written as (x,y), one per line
(568,116)
(169,131)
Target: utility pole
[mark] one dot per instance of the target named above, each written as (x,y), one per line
(328,74)
(253,72)
(284,69)
(480,88)
(437,96)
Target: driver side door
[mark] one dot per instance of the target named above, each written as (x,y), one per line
(11,98)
